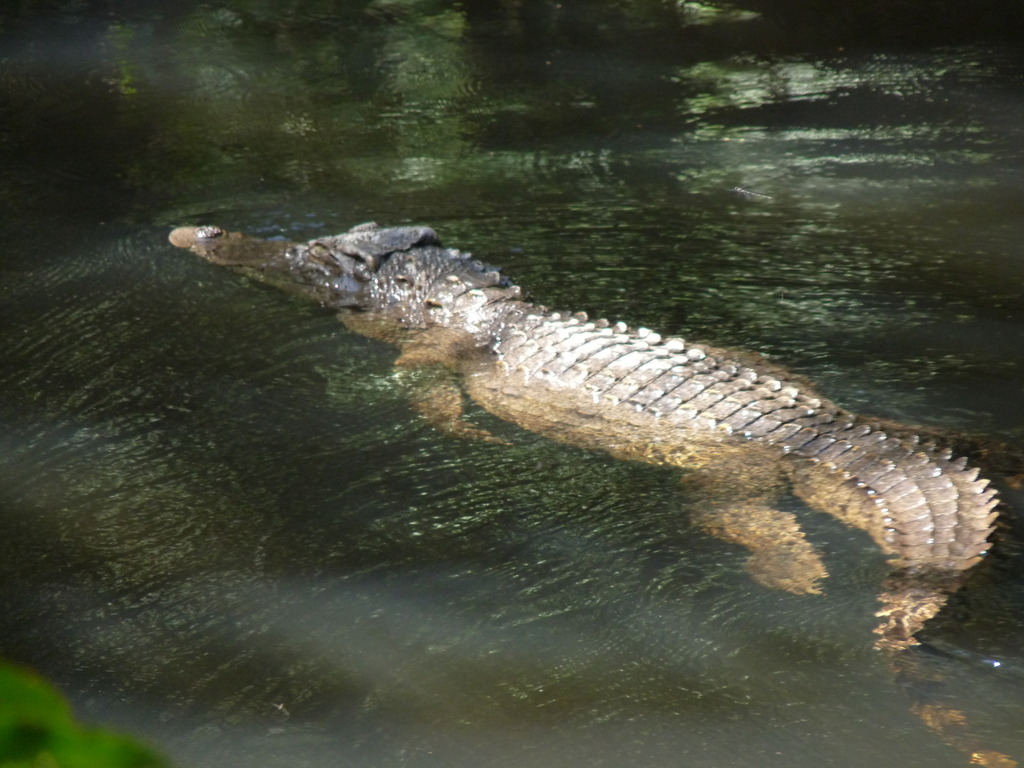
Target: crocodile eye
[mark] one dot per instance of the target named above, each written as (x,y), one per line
(208,233)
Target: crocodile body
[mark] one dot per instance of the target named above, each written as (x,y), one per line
(744,428)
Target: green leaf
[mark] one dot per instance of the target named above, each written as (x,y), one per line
(38,730)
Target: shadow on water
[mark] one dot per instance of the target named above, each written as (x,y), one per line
(225,528)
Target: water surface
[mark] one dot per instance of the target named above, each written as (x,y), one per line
(226,530)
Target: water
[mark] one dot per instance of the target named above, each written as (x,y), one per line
(226,530)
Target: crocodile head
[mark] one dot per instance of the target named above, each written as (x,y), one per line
(332,270)
(403,271)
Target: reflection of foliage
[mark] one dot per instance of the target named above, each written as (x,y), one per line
(202,100)
(37,730)
(258,94)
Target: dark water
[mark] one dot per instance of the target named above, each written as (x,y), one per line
(225,529)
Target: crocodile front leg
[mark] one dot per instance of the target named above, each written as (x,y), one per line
(436,396)
(427,366)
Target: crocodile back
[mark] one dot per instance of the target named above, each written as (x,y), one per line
(919,503)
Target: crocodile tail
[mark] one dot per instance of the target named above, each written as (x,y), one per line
(927,509)
(924,506)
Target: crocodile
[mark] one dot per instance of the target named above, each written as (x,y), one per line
(744,429)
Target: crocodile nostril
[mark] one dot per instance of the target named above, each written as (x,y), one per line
(186,237)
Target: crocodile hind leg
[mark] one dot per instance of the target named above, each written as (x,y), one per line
(780,555)
(736,501)
(924,681)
